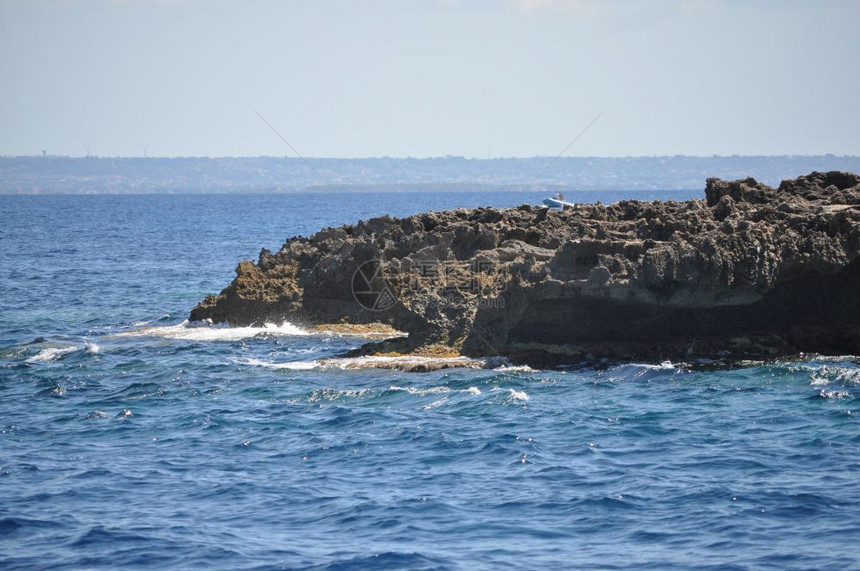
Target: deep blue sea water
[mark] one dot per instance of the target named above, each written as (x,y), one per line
(129,440)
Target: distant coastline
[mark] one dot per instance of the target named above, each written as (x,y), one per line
(129,175)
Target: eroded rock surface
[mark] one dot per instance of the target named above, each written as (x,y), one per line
(751,271)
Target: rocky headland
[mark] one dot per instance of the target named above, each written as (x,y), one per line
(749,272)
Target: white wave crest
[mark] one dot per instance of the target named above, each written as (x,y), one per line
(338,394)
(419,391)
(292,366)
(518,395)
(435,404)
(404,363)
(664,366)
(826,374)
(51,354)
(835,394)
(209,332)
(514,369)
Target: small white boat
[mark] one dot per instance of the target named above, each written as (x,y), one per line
(557,201)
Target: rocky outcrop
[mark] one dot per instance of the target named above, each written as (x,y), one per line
(751,271)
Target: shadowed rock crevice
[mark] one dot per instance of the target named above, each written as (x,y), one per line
(750,271)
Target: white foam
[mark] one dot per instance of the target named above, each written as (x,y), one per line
(292,366)
(421,392)
(834,394)
(435,404)
(50,354)
(373,362)
(831,358)
(664,366)
(335,394)
(518,395)
(514,369)
(208,332)
(848,376)
(826,374)
(433,390)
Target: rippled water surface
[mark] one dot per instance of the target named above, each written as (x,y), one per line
(128,439)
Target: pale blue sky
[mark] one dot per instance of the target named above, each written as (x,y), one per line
(429,78)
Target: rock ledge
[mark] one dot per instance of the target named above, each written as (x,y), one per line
(749,272)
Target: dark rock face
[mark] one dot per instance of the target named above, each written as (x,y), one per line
(751,271)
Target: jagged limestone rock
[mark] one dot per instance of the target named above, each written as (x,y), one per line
(632,280)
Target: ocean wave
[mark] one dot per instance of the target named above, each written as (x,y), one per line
(434,390)
(50,354)
(208,332)
(291,366)
(822,371)
(400,363)
(830,358)
(517,395)
(662,366)
(435,404)
(145,322)
(54,352)
(641,371)
(515,369)
(511,395)
(420,391)
(826,375)
(835,394)
(404,363)
(331,395)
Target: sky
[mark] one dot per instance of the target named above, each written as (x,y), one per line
(429,78)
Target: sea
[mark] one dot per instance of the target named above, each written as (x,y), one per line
(132,439)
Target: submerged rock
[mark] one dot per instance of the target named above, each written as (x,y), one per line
(749,272)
